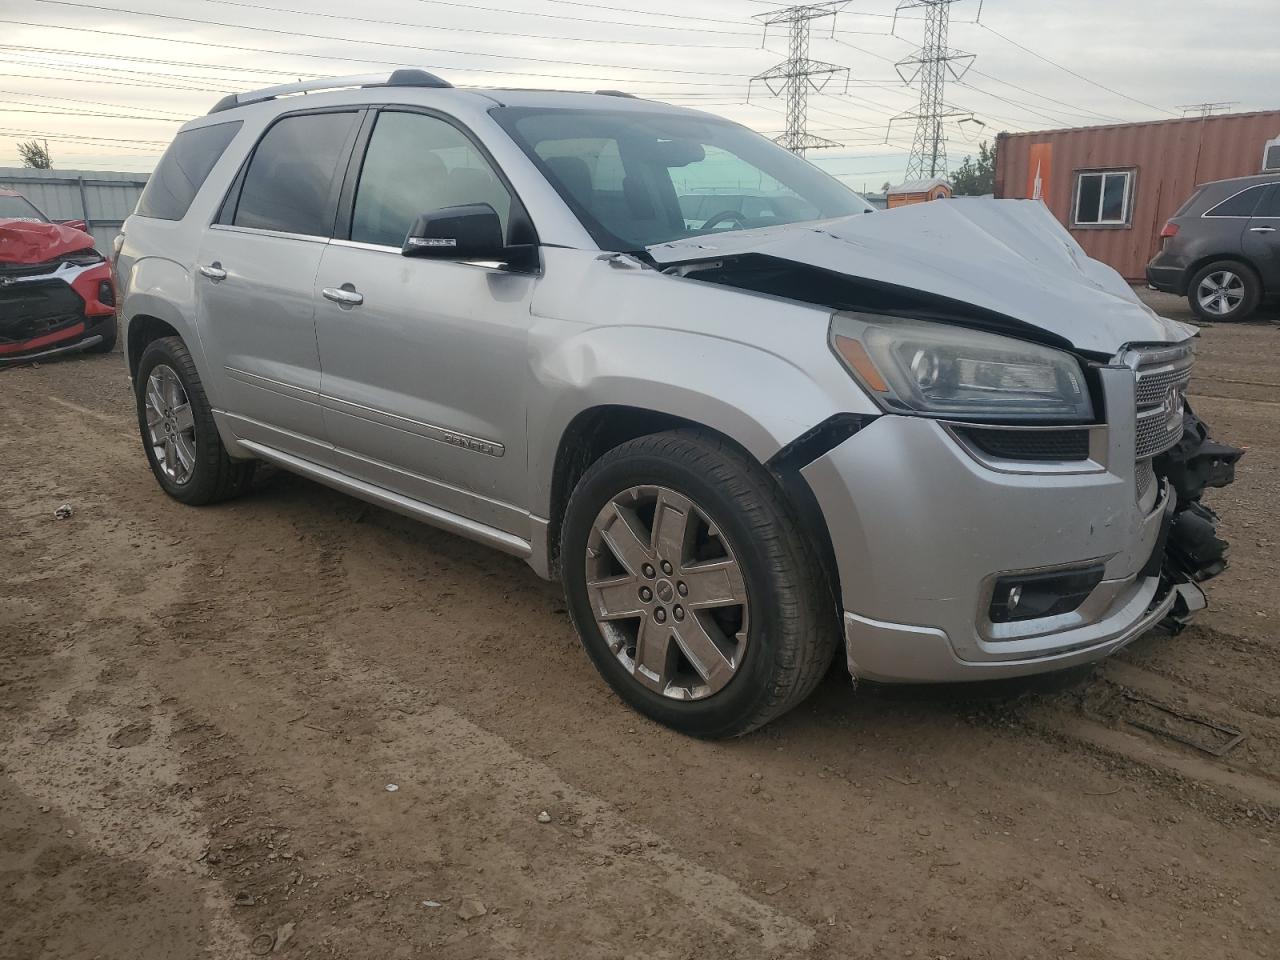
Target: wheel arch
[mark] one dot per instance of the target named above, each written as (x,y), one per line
(1201,262)
(144,329)
(595,431)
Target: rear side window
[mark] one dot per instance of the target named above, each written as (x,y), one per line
(1241,205)
(183,169)
(293,179)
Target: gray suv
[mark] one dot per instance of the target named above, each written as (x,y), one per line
(747,421)
(1221,250)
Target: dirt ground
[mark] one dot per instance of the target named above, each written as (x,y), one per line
(298,723)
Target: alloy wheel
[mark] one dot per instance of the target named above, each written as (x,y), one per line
(171,427)
(1221,292)
(667,592)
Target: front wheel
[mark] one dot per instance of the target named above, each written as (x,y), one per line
(691,586)
(178,432)
(1224,291)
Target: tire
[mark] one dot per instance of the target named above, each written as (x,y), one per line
(786,630)
(108,341)
(1239,291)
(212,475)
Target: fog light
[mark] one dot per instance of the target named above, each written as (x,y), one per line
(106,293)
(1028,596)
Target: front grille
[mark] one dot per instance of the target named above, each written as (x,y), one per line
(16,270)
(1144,475)
(1040,445)
(30,309)
(1161,377)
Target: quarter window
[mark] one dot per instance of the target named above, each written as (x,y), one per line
(1103,198)
(1240,205)
(293,179)
(183,169)
(416,164)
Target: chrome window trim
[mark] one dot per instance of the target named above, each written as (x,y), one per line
(258,231)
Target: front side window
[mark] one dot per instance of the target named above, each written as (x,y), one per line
(183,169)
(635,179)
(20,208)
(416,164)
(1103,198)
(293,179)
(1241,204)
(1270,205)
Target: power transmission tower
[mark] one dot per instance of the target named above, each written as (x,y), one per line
(797,75)
(930,64)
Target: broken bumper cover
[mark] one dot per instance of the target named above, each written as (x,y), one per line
(924,529)
(47,312)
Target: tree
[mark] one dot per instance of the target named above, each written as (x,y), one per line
(973,179)
(35,154)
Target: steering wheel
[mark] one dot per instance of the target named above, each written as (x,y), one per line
(712,222)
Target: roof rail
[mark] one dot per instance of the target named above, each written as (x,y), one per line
(397,78)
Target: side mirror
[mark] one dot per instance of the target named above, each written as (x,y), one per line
(75,225)
(470,232)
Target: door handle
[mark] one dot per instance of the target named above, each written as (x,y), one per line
(1262,229)
(343,296)
(214,271)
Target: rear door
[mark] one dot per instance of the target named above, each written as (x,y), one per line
(425,361)
(256,272)
(1262,239)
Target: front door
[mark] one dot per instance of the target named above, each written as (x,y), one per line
(1262,239)
(425,361)
(255,275)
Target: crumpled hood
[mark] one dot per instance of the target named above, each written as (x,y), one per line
(25,241)
(1009,257)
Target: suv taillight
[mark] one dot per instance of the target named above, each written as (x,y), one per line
(1170,230)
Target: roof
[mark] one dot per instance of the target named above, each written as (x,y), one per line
(1213,118)
(920,186)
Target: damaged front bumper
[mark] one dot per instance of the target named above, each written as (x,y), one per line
(55,308)
(932,532)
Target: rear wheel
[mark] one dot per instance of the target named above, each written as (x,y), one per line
(178,432)
(691,586)
(1224,290)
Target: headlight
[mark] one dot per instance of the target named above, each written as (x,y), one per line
(914,366)
(83,258)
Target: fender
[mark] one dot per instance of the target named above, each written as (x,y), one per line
(611,332)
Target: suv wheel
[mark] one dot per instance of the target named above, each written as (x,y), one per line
(178,432)
(692,588)
(1224,291)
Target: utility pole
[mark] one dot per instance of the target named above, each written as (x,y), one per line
(930,64)
(797,75)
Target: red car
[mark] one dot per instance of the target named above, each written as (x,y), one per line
(56,291)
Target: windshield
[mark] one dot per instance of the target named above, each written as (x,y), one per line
(19,208)
(636,179)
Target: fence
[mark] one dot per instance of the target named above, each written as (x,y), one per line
(101,198)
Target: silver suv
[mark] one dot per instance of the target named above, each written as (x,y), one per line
(747,421)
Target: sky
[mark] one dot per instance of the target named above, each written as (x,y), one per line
(108,82)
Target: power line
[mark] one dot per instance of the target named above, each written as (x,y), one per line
(1079,76)
(795,75)
(505,33)
(371,43)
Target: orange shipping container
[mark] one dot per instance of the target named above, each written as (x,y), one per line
(1115,186)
